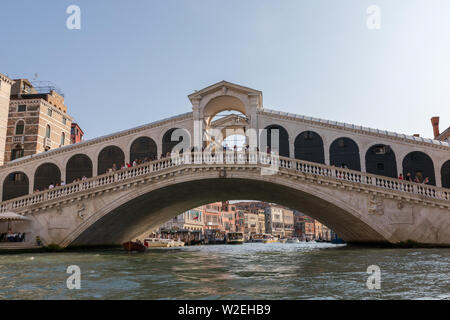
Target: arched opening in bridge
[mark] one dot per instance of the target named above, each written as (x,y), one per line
(283,140)
(380,159)
(46,175)
(15,185)
(344,153)
(308,146)
(420,166)
(143,148)
(129,217)
(111,157)
(78,166)
(220,104)
(227,129)
(175,139)
(445,174)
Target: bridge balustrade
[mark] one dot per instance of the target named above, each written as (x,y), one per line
(227,157)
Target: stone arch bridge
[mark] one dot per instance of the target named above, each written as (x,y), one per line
(345,176)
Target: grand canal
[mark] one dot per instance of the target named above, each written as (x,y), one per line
(249,271)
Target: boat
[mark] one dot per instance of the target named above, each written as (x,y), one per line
(131,246)
(162,243)
(293,240)
(214,236)
(282,240)
(268,238)
(235,238)
(257,238)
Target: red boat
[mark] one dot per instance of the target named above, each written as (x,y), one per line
(134,246)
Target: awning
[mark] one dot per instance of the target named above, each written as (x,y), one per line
(12,216)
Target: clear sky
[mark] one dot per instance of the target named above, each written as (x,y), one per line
(134,62)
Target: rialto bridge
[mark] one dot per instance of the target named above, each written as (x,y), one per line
(345,176)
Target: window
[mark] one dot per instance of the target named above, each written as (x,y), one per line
(64,120)
(20,127)
(63,137)
(48,132)
(49,112)
(21,108)
(16,153)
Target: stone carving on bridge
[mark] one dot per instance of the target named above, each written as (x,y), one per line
(81,211)
(376,205)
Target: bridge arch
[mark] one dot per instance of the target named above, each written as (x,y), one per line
(345,152)
(308,146)
(168,144)
(223,103)
(16,184)
(143,148)
(381,160)
(132,214)
(283,138)
(420,165)
(108,157)
(445,174)
(77,167)
(45,175)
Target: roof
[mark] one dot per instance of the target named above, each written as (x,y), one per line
(358,127)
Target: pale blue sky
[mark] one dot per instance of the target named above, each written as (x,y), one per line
(135,62)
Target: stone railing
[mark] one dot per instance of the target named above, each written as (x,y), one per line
(270,163)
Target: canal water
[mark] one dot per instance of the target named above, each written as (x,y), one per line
(249,271)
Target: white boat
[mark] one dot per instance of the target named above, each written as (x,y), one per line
(162,243)
(293,240)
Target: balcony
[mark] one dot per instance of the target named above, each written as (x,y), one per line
(18,139)
(47,143)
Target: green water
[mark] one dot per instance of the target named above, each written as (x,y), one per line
(249,271)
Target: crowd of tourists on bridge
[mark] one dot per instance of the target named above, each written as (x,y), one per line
(416,179)
(409,177)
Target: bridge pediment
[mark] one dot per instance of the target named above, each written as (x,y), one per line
(224,96)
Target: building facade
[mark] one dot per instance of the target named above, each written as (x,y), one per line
(5,93)
(191,220)
(37,122)
(76,134)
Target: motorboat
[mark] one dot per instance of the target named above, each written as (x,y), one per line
(132,246)
(235,238)
(162,243)
(293,240)
(284,240)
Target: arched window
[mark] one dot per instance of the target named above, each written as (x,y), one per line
(20,127)
(46,174)
(283,140)
(380,159)
(48,132)
(78,166)
(445,175)
(143,148)
(109,158)
(344,152)
(175,137)
(17,152)
(15,185)
(308,146)
(420,165)
(63,138)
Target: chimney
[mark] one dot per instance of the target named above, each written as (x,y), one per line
(435,124)
(416,135)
